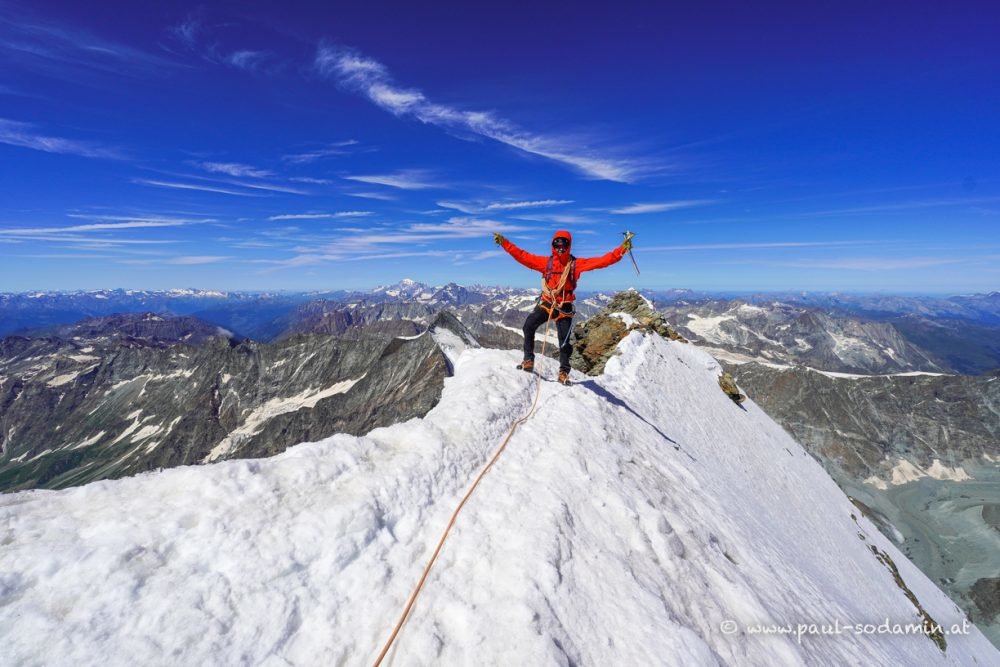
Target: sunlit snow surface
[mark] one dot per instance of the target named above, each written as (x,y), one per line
(629,520)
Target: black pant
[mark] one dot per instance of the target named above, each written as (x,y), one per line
(564,325)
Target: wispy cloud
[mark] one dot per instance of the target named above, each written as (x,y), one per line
(268,187)
(660,207)
(248,60)
(312,181)
(368,244)
(335,149)
(235,169)
(187,31)
(542,203)
(488,254)
(753,246)
(404,180)
(460,227)
(472,208)
(128,223)
(459,206)
(76,239)
(321,216)
(397,255)
(15,133)
(904,206)
(372,79)
(192,33)
(381,196)
(71,53)
(311,259)
(7,90)
(177,260)
(877,263)
(198,259)
(193,186)
(421,234)
(557,218)
(70,255)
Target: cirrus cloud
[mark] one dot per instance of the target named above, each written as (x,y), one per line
(660,207)
(372,79)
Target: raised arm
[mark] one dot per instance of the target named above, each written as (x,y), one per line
(535,262)
(591,263)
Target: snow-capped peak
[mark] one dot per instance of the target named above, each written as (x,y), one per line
(637,518)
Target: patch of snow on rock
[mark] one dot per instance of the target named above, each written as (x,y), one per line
(708,328)
(256,420)
(938,470)
(626,318)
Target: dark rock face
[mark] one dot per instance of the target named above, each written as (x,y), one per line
(963,346)
(97,407)
(862,426)
(149,328)
(985,593)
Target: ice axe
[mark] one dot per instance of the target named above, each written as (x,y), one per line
(628,237)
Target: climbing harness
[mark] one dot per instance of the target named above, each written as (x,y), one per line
(566,284)
(557,291)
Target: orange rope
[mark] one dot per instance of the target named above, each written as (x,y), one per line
(451,522)
(555,292)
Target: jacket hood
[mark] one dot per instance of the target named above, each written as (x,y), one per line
(562,233)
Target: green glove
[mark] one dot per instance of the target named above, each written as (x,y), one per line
(627,243)
(498,238)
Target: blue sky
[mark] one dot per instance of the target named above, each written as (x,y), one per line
(300,146)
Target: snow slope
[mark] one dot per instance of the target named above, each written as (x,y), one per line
(641,518)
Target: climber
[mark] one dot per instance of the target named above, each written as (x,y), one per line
(560,273)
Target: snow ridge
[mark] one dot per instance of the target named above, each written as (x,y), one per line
(630,521)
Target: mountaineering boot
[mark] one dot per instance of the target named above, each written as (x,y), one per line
(526,365)
(564,378)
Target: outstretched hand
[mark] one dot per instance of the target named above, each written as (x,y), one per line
(498,238)
(627,243)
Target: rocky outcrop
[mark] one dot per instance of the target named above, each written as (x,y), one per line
(595,340)
(729,387)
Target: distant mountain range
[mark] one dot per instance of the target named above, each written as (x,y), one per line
(836,332)
(125,394)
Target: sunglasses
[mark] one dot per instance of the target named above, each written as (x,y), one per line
(560,243)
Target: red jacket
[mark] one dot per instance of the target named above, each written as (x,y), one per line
(540,263)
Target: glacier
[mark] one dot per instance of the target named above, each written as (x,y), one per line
(638,518)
